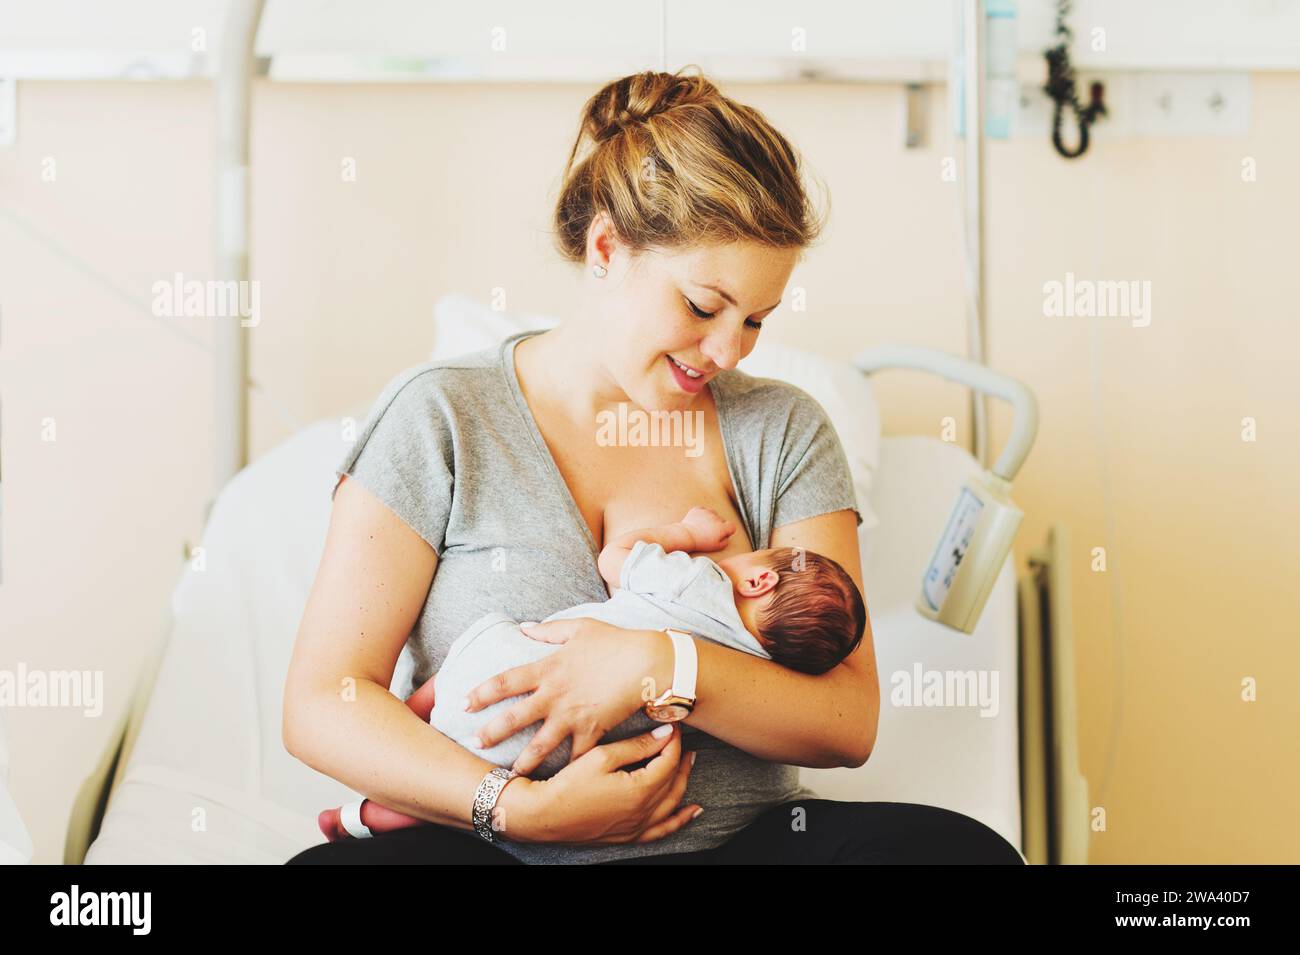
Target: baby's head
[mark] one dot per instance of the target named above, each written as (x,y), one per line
(803,607)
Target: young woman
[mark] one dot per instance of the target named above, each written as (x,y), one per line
(478,484)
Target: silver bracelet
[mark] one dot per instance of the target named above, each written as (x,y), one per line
(485,799)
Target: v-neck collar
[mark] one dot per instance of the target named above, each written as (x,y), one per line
(722,407)
(507,356)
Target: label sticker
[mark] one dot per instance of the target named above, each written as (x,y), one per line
(952,548)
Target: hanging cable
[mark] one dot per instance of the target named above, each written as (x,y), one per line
(1061,88)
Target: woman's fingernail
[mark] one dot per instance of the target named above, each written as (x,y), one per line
(478,743)
(464,704)
(659,732)
(529,623)
(696,813)
(693,755)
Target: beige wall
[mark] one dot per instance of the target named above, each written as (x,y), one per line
(453,193)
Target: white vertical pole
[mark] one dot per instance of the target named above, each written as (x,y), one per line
(977,338)
(663,36)
(233,86)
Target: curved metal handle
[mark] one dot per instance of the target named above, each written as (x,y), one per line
(1024,426)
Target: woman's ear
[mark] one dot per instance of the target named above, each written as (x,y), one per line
(755,585)
(602,242)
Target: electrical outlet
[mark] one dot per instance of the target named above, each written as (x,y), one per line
(1147,105)
(1191,104)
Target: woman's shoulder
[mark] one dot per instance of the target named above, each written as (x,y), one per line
(448,385)
(755,402)
(793,457)
(414,433)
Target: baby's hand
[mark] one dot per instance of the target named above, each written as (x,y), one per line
(710,531)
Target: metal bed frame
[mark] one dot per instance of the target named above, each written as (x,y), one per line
(1054,812)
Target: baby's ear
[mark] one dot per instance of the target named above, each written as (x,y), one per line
(759,584)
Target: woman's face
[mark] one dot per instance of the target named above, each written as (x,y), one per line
(668,322)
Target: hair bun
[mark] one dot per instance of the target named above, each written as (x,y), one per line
(635,99)
(671,162)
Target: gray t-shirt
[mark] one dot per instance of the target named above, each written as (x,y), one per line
(656,590)
(452,448)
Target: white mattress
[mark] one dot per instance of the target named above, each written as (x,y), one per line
(210,782)
(952,757)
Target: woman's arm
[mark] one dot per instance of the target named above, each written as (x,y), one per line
(780,714)
(340,718)
(754,704)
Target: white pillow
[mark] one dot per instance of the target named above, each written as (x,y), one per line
(848,399)
(463,325)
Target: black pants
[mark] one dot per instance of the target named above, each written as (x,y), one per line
(830,832)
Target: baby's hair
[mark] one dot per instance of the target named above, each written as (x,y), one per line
(816,616)
(674,163)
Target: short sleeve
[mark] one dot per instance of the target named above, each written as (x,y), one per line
(649,570)
(813,477)
(691,583)
(404,455)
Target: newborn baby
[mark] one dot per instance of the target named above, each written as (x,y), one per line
(797,608)
(789,605)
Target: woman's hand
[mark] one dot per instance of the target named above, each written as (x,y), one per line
(594,800)
(586,688)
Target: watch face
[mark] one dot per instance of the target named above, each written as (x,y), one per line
(669,712)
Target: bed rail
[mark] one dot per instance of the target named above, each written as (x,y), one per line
(1053,792)
(96,789)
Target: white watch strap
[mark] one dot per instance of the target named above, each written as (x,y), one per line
(350,816)
(685,663)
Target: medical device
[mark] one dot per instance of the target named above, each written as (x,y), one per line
(1001,88)
(977,538)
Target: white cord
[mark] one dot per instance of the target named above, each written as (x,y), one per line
(973,230)
(1108,508)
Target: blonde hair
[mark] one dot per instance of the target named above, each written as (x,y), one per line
(674,163)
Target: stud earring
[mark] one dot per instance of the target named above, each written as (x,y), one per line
(600,271)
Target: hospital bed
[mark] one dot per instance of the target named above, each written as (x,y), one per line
(195,771)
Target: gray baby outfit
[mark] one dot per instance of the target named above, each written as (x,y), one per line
(452,448)
(656,590)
